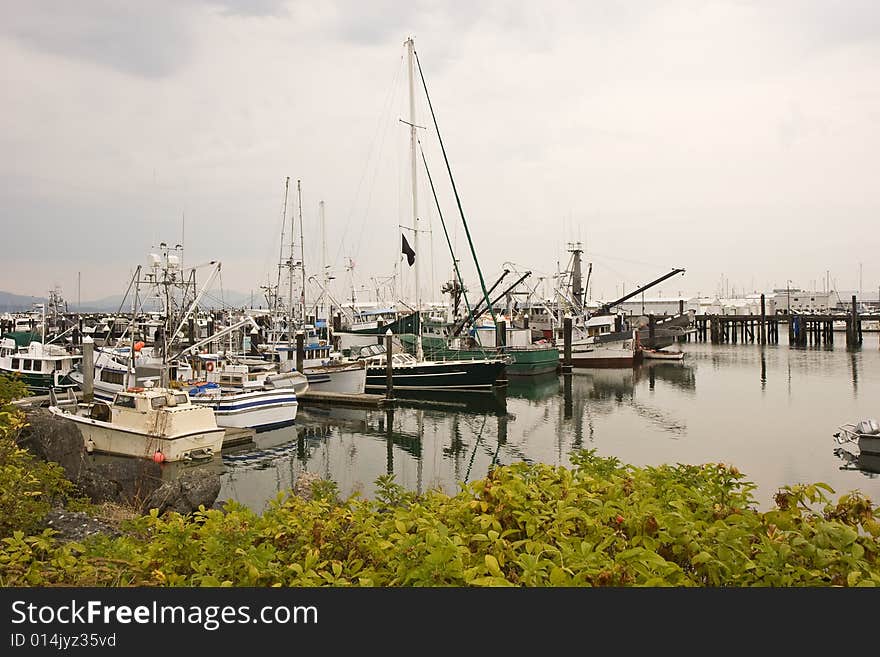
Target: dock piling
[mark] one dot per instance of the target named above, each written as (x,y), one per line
(389,368)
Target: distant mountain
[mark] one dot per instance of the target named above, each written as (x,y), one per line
(17,303)
(10,303)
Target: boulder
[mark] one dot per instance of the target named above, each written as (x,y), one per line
(54,439)
(186,493)
(76,525)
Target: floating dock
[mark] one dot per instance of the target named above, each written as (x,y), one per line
(236,436)
(316,397)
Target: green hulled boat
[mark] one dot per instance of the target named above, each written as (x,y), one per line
(524,359)
(39,366)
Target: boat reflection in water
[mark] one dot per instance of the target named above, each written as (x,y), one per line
(534,388)
(868,464)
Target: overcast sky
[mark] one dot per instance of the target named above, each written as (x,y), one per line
(735,139)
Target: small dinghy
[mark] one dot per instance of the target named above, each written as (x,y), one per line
(865,432)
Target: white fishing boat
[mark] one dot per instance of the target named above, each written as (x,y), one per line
(598,344)
(252,396)
(158,423)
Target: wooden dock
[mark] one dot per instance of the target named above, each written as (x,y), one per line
(803,328)
(235,436)
(321,398)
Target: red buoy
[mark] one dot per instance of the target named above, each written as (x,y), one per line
(158,457)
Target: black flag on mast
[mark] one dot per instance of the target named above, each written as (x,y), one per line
(407,249)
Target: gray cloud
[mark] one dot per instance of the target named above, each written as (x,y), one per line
(133,38)
(150,40)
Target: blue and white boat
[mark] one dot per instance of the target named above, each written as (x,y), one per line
(244,398)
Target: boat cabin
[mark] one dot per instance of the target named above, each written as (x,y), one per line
(375,354)
(145,399)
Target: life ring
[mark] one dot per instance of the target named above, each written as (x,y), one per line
(209,366)
(135,390)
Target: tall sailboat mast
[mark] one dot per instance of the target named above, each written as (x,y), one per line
(277,295)
(302,253)
(410,46)
(290,285)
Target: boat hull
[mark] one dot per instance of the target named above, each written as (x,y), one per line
(102,437)
(348,379)
(869,444)
(662,355)
(439,375)
(40,383)
(260,409)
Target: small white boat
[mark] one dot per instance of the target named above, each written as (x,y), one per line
(865,432)
(659,354)
(157,423)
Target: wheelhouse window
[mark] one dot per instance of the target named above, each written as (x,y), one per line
(125,401)
(111,376)
(157,402)
(181,399)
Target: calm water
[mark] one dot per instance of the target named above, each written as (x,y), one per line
(770,411)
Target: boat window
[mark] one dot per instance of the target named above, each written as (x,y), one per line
(110,376)
(157,402)
(15,362)
(181,399)
(124,401)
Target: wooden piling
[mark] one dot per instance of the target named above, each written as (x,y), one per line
(566,342)
(88,365)
(389,367)
(300,351)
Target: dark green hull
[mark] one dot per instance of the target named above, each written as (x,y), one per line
(40,383)
(524,361)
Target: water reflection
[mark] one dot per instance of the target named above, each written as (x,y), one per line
(867,464)
(776,432)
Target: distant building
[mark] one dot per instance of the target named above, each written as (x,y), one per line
(804,301)
(658,306)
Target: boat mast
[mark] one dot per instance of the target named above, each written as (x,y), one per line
(290,288)
(415,206)
(325,279)
(276,297)
(302,253)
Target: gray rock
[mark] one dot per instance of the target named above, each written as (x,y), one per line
(76,525)
(186,493)
(54,439)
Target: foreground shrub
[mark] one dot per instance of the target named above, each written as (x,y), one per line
(28,485)
(599,523)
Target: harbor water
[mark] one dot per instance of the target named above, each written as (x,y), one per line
(769,410)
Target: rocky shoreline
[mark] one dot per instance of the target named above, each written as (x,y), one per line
(136,485)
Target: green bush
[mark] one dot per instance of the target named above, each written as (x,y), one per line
(28,485)
(599,523)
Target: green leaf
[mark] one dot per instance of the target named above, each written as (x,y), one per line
(492,565)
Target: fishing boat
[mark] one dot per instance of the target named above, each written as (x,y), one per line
(412,374)
(158,423)
(524,358)
(251,396)
(866,433)
(40,366)
(598,344)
